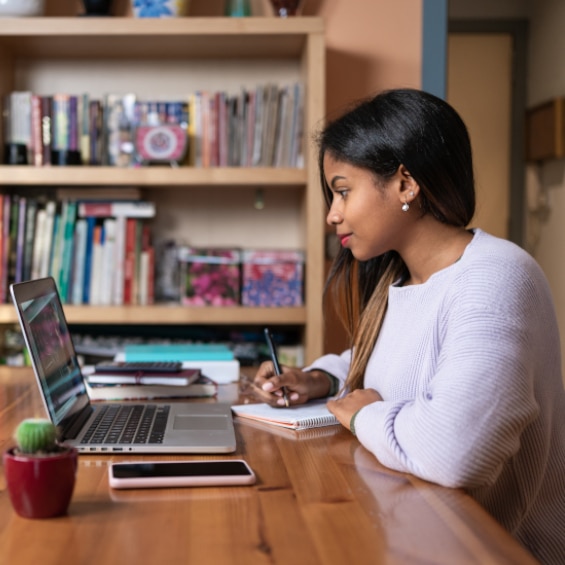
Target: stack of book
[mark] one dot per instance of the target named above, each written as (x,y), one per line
(215,361)
(140,385)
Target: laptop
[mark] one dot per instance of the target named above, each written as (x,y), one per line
(127,427)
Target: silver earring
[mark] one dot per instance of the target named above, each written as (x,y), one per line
(405,207)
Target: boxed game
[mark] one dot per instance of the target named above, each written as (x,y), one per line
(210,276)
(272,277)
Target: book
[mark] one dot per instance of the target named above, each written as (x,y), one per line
(183,377)
(222,372)
(202,387)
(178,352)
(113,208)
(314,414)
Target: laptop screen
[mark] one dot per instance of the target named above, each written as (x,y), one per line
(52,351)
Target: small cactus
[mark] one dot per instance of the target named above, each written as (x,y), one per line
(36,435)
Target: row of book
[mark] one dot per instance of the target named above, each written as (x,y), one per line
(258,127)
(99,253)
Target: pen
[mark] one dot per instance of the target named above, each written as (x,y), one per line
(275,360)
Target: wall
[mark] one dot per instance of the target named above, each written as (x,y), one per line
(546,183)
(371,46)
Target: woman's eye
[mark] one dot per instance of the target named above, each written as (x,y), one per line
(342,193)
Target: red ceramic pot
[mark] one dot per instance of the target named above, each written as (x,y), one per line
(40,487)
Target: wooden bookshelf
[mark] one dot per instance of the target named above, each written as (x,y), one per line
(28,46)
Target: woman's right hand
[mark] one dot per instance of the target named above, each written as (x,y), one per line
(301,385)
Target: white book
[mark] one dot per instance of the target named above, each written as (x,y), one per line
(108,266)
(47,239)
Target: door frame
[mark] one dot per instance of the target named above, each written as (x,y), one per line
(518,30)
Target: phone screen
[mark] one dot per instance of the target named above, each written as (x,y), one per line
(180,469)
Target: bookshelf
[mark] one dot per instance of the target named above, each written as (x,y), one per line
(171,57)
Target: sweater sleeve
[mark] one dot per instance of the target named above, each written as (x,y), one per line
(336,365)
(465,423)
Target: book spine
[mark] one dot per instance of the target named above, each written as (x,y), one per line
(95,132)
(84,120)
(90,225)
(96,269)
(29,238)
(129,260)
(36,131)
(108,261)
(47,239)
(120,253)
(20,240)
(6,210)
(12,253)
(46,129)
(74,142)
(79,261)
(67,250)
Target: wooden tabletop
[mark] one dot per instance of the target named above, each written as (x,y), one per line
(320,498)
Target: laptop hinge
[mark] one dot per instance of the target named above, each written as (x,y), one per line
(73,428)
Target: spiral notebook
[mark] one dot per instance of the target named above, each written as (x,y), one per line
(312,415)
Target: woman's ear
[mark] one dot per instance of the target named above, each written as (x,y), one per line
(408,188)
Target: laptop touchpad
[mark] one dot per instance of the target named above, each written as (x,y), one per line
(187,422)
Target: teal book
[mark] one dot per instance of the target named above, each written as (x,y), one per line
(178,352)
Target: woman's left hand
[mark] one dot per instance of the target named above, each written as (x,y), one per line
(344,408)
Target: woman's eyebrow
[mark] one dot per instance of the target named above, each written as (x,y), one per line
(335,179)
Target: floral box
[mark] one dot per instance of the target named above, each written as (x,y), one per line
(209,276)
(272,278)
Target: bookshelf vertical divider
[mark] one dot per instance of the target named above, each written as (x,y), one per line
(28,43)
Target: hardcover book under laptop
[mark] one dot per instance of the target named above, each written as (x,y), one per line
(147,427)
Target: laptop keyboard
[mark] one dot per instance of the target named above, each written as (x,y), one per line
(128,424)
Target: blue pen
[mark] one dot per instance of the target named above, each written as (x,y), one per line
(275,360)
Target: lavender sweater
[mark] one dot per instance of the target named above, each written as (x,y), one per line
(469,368)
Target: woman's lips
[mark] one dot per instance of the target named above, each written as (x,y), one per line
(344,239)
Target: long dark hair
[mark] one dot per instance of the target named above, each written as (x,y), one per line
(397,127)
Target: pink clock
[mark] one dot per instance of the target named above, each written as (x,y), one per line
(160,144)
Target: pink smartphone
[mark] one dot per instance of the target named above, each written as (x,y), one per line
(148,474)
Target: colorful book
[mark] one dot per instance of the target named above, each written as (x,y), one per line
(79,257)
(29,238)
(67,250)
(20,239)
(178,352)
(90,225)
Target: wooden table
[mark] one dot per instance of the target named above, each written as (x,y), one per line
(323,500)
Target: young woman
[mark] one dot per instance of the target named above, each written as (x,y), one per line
(454,370)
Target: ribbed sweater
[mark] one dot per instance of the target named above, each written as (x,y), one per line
(469,368)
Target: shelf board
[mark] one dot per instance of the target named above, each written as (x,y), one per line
(150,176)
(84,38)
(171,315)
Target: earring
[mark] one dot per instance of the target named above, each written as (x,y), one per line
(405,207)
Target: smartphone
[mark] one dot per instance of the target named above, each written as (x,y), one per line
(137,366)
(147,474)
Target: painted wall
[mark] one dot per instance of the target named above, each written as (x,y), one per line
(545,184)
